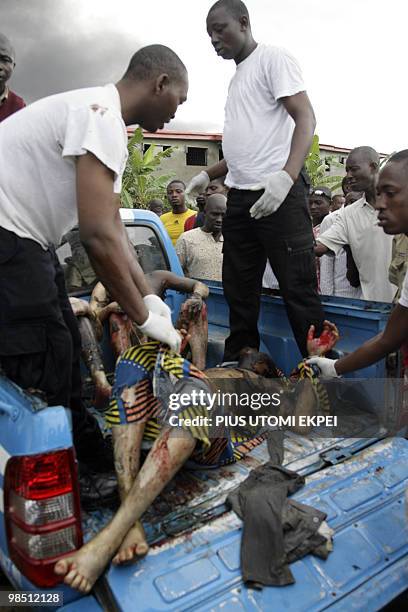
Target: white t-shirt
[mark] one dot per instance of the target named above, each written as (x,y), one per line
(333,270)
(404,292)
(39,145)
(257,129)
(357,226)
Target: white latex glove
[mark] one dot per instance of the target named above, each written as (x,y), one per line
(161,329)
(277,187)
(326,366)
(198,183)
(156,305)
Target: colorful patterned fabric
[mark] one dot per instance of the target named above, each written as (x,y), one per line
(305,371)
(145,376)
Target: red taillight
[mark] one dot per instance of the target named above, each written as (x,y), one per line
(42,511)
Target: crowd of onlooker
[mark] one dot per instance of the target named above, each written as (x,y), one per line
(354,257)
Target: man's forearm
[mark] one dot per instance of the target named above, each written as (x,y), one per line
(370,352)
(320,249)
(138,276)
(217,170)
(300,145)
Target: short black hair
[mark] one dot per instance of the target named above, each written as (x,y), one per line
(236,8)
(6,42)
(153,60)
(176,181)
(401,156)
(368,153)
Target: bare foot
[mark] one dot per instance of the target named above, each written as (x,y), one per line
(82,569)
(133,547)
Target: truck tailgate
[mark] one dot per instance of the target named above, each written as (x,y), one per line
(364,500)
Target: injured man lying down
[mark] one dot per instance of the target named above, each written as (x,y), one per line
(147,379)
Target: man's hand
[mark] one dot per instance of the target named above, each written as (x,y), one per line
(326,366)
(277,187)
(155,304)
(160,328)
(323,343)
(198,183)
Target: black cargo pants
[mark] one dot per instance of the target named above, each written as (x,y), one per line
(286,239)
(40,344)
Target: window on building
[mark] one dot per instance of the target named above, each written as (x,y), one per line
(342,159)
(196,156)
(145,146)
(165,147)
(220,154)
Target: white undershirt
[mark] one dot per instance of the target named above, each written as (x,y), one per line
(357,226)
(39,146)
(257,129)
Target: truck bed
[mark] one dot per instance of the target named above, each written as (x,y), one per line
(194,562)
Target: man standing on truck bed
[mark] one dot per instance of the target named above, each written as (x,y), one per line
(61,161)
(269,124)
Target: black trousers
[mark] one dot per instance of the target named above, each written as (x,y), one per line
(40,344)
(286,239)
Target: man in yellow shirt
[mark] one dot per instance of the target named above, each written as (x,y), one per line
(174,221)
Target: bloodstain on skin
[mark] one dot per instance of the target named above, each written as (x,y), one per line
(120,328)
(160,454)
(195,323)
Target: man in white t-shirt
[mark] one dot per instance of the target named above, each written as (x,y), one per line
(61,161)
(392,207)
(333,270)
(356,225)
(268,129)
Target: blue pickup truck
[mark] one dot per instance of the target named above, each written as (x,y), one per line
(194,561)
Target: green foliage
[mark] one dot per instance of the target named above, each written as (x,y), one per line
(316,167)
(140,183)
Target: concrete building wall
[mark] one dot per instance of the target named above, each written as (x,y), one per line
(211,143)
(178,164)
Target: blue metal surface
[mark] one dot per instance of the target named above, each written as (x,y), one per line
(85,604)
(357,321)
(363,498)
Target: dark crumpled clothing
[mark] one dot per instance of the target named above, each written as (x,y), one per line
(276,531)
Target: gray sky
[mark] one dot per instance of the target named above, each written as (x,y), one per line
(352,52)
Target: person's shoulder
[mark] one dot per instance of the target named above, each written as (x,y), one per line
(18,100)
(354,209)
(274,52)
(328,220)
(104,100)
(190,212)
(166,216)
(193,234)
